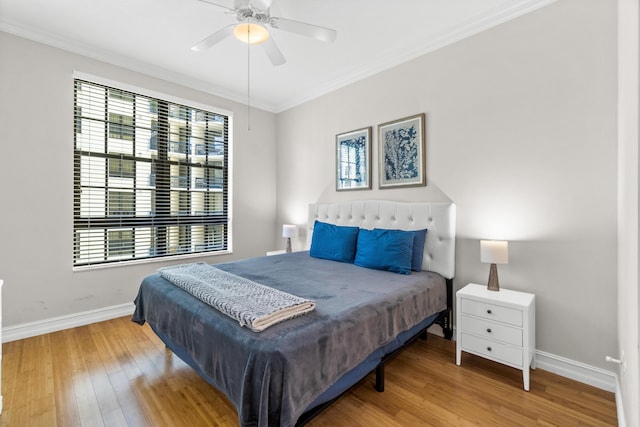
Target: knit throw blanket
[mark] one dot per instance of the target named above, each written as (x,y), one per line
(253,305)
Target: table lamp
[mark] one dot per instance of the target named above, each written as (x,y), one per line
(494,252)
(289,231)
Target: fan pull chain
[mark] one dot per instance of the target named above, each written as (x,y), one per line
(249,79)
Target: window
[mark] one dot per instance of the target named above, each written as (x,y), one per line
(121,168)
(120,126)
(121,243)
(121,203)
(150,177)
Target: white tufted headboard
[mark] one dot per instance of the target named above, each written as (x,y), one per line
(438,217)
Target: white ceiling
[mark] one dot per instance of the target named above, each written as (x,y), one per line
(155,37)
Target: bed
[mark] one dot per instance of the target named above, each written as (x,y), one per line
(285,374)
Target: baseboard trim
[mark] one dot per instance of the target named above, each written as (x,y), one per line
(578,371)
(54,324)
(619,404)
(568,368)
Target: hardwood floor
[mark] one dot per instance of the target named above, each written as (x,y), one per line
(116,373)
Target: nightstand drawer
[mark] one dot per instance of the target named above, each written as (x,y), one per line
(492,350)
(498,313)
(490,330)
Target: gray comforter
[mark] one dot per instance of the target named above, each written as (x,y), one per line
(272,376)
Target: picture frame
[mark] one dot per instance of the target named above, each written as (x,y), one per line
(353,160)
(401,155)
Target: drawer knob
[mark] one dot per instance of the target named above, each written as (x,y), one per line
(488,348)
(488,311)
(488,330)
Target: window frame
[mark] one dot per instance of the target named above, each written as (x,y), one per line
(210,249)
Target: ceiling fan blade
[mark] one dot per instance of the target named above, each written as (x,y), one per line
(214,38)
(262,4)
(225,4)
(241,4)
(273,52)
(304,29)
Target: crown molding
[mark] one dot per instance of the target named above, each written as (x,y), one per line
(458,33)
(128,63)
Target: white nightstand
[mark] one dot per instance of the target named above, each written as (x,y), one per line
(276,252)
(500,326)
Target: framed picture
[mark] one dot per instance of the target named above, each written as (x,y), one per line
(353,160)
(401,157)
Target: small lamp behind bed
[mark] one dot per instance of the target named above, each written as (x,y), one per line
(494,252)
(289,231)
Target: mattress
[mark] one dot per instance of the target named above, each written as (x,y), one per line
(272,377)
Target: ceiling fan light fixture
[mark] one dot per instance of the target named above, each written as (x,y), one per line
(252,33)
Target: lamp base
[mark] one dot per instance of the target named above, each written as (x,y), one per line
(288,248)
(493,284)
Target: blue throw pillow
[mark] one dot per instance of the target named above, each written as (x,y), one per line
(419,237)
(334,242)
(385,250)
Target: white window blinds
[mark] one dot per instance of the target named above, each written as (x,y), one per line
(150,177)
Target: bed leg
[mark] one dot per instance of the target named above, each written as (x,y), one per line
(380,378)
(445,319)
(423,335)
(447,329)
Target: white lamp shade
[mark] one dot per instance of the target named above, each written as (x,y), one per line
(494,251)
(289,230)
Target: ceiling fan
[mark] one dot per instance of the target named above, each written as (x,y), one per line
(254,19)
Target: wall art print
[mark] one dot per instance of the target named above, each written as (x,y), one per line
(353,160)
(402,153)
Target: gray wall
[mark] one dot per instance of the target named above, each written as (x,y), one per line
(36,184)
(521,135)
